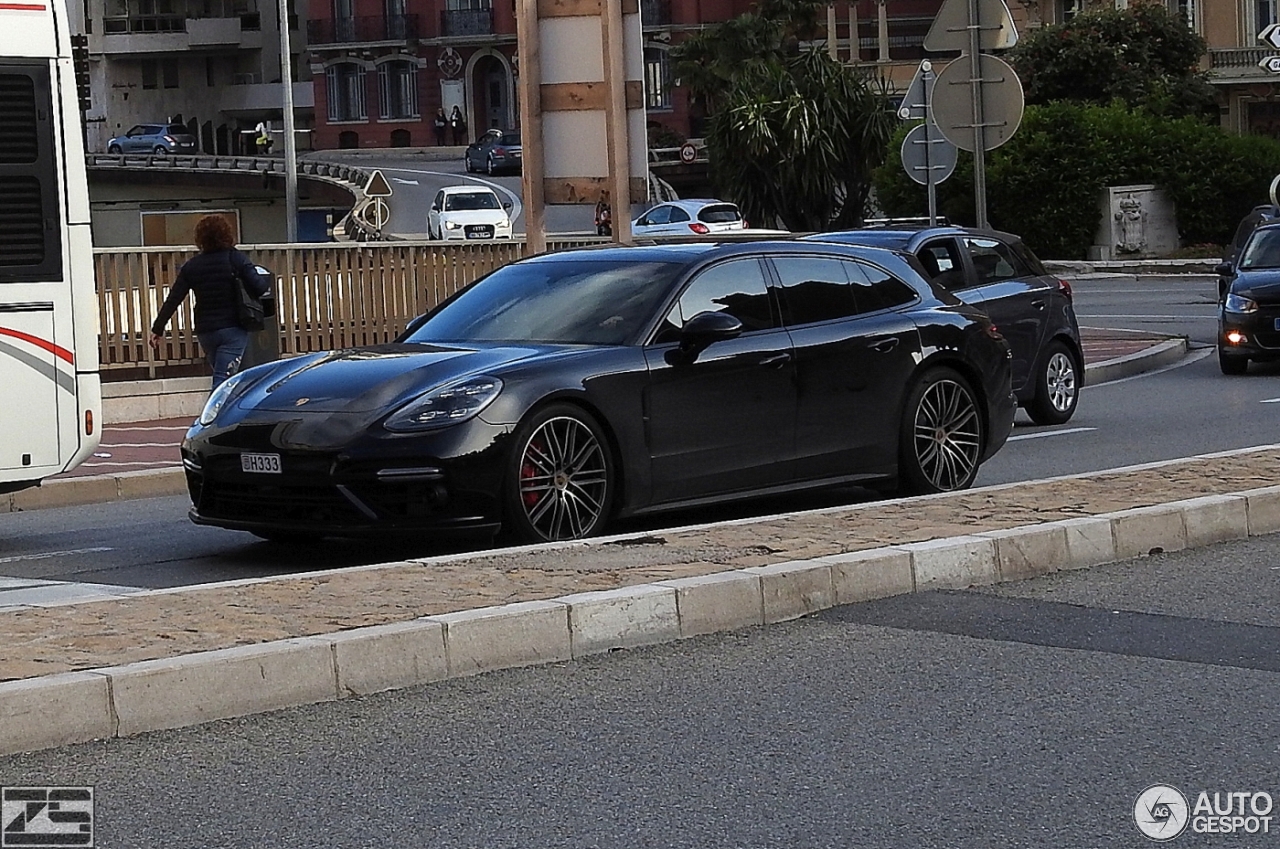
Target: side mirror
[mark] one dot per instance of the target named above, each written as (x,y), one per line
(506,204)
(707,327)
(435,207)
(1222,269)
(412,326)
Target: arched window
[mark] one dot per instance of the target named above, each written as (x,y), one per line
(398,90)
(345,84)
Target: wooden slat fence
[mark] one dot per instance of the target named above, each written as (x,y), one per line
(328,296)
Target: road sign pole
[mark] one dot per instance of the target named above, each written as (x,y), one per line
(979,141)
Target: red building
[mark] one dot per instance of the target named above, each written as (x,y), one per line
(381,68)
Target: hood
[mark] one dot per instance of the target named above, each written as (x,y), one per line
(1262,286)
(376,379)
(496,217)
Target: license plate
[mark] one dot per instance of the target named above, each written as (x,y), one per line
(265,464)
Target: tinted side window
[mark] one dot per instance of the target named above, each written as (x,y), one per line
(736,287)
(875,289)
(678,214)
(942,260)
(814,289)
(661,215)
(993,261)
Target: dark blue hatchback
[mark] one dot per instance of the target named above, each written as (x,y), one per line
(1249,306)
(997,273)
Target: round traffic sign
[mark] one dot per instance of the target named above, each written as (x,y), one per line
(688,153)
(1002,102)
(927,156)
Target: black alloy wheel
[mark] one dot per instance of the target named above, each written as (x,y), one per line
(1232,364)
(1057,386)
(115,148)
(161,150)
(560,477)
(942,435)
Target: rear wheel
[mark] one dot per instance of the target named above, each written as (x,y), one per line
(560,477)
(1232,364)
(161,150)
(1057,386)
(942,435)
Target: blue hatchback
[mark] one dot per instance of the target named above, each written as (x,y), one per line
(158,139)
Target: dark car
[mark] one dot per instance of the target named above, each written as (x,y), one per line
(495,152)
(159,139)
(1249,309)
(569,388)
(1032,309)
(1265,213)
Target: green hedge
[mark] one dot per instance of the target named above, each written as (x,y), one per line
(1044,184)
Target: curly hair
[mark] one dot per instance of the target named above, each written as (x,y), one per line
(213,233)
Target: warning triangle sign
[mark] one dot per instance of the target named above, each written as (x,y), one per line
(377,187)
(950,30)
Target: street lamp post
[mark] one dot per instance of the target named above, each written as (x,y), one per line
(290,143)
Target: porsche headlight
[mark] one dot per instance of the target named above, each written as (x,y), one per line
(1236,303)
(219,397)
(445,406)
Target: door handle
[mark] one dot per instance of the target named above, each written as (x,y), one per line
(1038,303)
(776,361)
(884,346)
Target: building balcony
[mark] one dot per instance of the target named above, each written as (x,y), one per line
(1239,64)
(362,30)
(458,23)
(172,34)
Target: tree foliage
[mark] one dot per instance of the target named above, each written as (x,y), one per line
(793,135)
(1046,183)
(1144,55)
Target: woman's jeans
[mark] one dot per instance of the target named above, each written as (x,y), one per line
(224,348)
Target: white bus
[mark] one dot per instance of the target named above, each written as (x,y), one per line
(50,397)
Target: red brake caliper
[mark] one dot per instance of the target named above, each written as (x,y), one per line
(528,471)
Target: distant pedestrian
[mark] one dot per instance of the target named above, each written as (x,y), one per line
(459,125)
(441,124)
(215,275)
(262,137)
(604,216)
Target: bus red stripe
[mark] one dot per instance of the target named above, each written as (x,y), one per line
(23,7)
(58,351)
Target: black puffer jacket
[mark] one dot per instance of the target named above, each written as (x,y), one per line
(213,276)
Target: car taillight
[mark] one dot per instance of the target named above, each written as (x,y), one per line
(699,228)
(1064,287)
(746,225)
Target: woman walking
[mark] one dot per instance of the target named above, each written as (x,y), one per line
(459,125)
(215,275)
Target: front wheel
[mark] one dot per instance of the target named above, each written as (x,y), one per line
(560,477)
(115,148)
(1232,364)
(466,161)
(1057,386)
(489,167)
(161,150)
(942,435)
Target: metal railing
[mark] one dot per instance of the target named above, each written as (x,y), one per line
(345,175)
(362,29)
(460,22)
(328,296)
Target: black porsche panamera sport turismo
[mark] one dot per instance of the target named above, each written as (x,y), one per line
(570,388)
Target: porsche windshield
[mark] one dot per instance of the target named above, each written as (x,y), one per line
(572,302)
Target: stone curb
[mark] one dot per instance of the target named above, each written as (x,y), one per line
(96,489)
(197,688)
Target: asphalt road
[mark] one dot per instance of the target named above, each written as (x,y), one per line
(1027,715)
(1184,410)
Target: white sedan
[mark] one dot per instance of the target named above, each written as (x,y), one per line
(468,213)
(693,217)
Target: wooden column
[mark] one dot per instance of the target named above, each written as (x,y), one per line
(532,169)
(615,79)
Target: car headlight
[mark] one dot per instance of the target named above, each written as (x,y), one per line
(448,405)
(219,397)
(452,225)
(1237,303)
